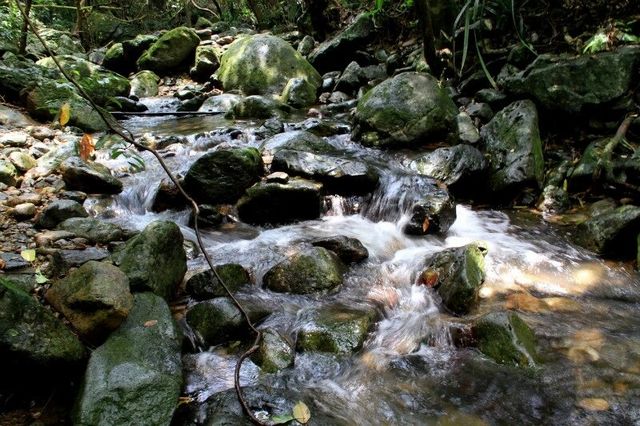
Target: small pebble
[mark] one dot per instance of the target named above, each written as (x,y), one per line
(24,210)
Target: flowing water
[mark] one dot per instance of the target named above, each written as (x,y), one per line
(584,311)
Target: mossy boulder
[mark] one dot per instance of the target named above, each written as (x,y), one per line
(309,271)
(114,59)
(220,103)
(173,49)
(94,298)
(206,62)
(92,178)
(262,65)
(280,203)
(408,109)
(575,83)
(506,338)
(335,329)
(155,259)
(349,250)
(216,321)
(8,173)
(99,83)
(433,214)
(255,107)
(611,232)
(135,377)
(144,84)
(222,176)
(456,274)
(205,285)
(122,57)
(514,149)
(95,230)
(299,93)
(30,335)
(275,352)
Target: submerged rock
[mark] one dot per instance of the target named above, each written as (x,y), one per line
(349,250)
(222,176)
(278,203)
(95,298)
(456,274)
(506,338)
(432,215)
(408,109)
(135,377)
(30,336)
(92,178)
(154,260)
(514,149)
(612,232)
(336,329)
(58,211)
(172,50)
(309,271)
(205,285)
(275,353)
(263,65)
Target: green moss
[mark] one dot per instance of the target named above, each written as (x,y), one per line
(173,49)
(507,339)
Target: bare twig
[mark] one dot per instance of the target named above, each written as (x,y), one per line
(127,136)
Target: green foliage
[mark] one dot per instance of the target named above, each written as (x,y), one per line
(605,39)
(10,22)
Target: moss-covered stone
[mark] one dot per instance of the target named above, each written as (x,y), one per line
(263,64)
(154,260)
(222,176)
(456,274)
(8,173)
(299,93)
(205,285)
(514,148)
(172,50)
(256,107)
(434,214)
(144,84)
(95,298)
(92,178)
(216,321)
(58,211)
(408,109)
(275,353)
(31,335)
(278,203)
(309,271)
(334,329)
(92,229)
(349,250)
(506,338)
(135,377)
(115,60)
(612,232)
(206,63)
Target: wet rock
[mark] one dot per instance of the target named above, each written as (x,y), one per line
(172,50)
(276,203)
(277,177)
(14,139)
(144,84)
(306,45)
(335,53)
(434,214)
(114,60)
(256,107)
(491,96)
(8,173)
(122,57)
(24,211)
(336,329)
(94,298)
(91,178)
(92,229)
(80,257)
(12,118)
(220,103)
(514,149)
(323,128)
(575,83)
(168,197)
(222,176)
(22,160)
(206,63)
(135,377)
(30,336)
(554,200)
(460,167)
(408,109)
(262,65)
(275,353)
(456,274)
(205,285)
(77,196)
(479,110)
(467,131)
(349,250)
(611,232)
(299,140)
(209,217)
(349,81)
(506,338)
(313,270)
(58,211)
(299,93)
(154,260)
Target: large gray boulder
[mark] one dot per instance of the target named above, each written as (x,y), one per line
(572,84)
(222,176)
(408,109)
(313,270)
(144,84)
(94,298)
(92,178)
(58,211)
(135,377)
(263,65)
(154,260)
(173,49)
(611,232)
(514,149)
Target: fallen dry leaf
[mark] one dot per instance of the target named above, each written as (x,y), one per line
(86,147)
(150,323)
(594,404)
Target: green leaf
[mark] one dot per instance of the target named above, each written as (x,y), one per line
(28,255)
(282,419)
(40,278)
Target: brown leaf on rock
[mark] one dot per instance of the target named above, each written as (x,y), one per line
(86,147)
(150,323)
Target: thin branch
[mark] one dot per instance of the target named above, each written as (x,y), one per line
(127,136)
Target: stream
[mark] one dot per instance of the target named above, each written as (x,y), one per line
(584,311)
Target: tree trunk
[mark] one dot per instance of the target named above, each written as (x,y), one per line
(428,38)
(81,24)
(22,48)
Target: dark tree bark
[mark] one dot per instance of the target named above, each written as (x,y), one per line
(423,11)
(22,47)
(81,23)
